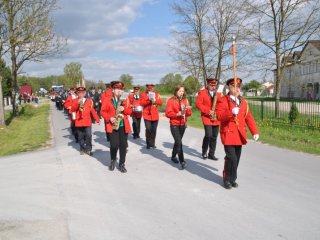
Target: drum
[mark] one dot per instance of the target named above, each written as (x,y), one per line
(138,109)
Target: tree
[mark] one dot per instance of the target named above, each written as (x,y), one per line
(127,80)
(170,81)
(281,27)
(30,34)
(191,85)
(5,73)
(73,74)
(193,15)
(253,84)
(225,19)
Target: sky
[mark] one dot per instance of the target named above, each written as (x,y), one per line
(113,37)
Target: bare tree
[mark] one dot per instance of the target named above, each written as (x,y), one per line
(30,32)
(281,27)
(225,19)
(193,27)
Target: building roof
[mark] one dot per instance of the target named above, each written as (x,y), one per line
(315,43)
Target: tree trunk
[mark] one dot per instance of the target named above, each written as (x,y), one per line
(14,86)
(2,118)
(278,87)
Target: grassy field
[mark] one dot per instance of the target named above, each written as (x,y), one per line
(28,131)
(298,139)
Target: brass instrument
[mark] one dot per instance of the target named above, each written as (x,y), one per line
(184,108)
(119,115)
(81,105)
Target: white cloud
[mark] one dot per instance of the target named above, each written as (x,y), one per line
(97,38)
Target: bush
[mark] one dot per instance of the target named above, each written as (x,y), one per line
(293,114)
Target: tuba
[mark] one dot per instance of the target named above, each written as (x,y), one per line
(119,115)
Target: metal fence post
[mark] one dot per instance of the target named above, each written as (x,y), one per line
(262,110)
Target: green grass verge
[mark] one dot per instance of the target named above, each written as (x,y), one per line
(28,131)
(298,139)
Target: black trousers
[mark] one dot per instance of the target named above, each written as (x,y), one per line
(210,139)
(177,133)
(136,122)
(74,131)
(84,136)
(107,134)
(151,132)
(118,141)
(231,162)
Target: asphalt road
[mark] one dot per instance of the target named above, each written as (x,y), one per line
(55,193)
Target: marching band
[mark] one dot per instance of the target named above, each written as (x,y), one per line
(228,114)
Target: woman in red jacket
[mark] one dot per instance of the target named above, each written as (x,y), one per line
(234,114)
(83,107)
(178,110)
(115,113)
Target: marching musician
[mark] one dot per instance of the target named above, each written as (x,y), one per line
(72,115)
(205,102)
(150,100)
(178,110)
(83,107)
(233,112)
(137,111)
(115,113)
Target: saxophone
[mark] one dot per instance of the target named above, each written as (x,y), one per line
(119,115)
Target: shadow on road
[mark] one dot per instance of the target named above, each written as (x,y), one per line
(197,168)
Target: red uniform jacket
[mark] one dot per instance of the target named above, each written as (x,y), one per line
(83,118)
(173,107)
(68,105)
(204,103)
(106,95)
(233,129)
(108,111)
(150,111)
(135,102)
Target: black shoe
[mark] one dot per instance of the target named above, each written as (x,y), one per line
(227,185)
(112,165)
(81,152)
(212,158)
(122,168)
(148,147)
(175,160)
(154,146)
(183,165)
(204,156)
(134,137)
(235,185)
(89,153)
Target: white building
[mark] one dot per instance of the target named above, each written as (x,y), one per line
(301,78)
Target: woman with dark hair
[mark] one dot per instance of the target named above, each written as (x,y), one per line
(178,110)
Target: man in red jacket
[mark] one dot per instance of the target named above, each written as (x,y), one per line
(83,107)
(136,113)
(234,114)
(205,100)
(67,105)
(115,113)
(150,100)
